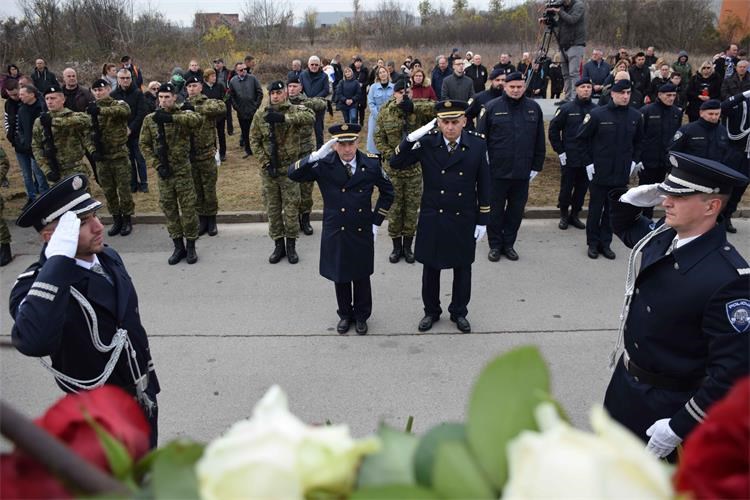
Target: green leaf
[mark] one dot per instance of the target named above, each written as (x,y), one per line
(120,462)
(502,405)
(424,457)
(457,475)
(393,463)
(395,492)
(173,471)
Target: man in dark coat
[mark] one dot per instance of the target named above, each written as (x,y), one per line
(346,178)
(687,309)
(455,206)
(42,76)
(77,295)
(127,90)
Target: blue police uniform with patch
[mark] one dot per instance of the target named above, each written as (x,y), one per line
(50,321)
(688,323)
(346,246)
(660,122)
(704,139)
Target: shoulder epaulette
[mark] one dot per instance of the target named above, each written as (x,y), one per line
(735,259)
(434,131)
(474,132)
(27,274)
(370,155)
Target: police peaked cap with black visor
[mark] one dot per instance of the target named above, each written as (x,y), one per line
(693,175)
(68,195)
(345,132)
(450,109)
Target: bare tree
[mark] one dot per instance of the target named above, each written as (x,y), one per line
(310,24)
(267,22)
(43,17)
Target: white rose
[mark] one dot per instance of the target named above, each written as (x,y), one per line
(276,455)
(563,462)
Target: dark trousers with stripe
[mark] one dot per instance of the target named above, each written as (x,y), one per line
(354,299)
(460,296)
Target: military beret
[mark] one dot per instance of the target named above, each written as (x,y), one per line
(401,84)
(668,87)
(276,85)
(292,79)
(495,73)
(583,81)
(100,84)
(53,89)
(68,195)
(711,104)
(167,87)
(345,132)
(621,85)
(516,75)
(692,174)
(450,109)
(194,79)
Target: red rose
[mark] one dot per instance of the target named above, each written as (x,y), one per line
(715,461)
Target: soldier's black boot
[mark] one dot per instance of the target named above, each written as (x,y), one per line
(575,221)
(127,225)
(116,225)
(192,256)
(179,251)
(398,250)
(202,225)
(304,224)
(408,254)
(729,226)
(211,225)
(291,251)
(563,224)
(5,255)
(278,252)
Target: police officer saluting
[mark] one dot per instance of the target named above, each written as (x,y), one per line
(346,177)
(687,313)
(79,296)
(455,206)
(563,129)
(109,125)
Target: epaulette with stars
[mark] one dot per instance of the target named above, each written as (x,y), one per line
(474,132)
(370,155)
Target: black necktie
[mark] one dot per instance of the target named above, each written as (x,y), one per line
(348,168)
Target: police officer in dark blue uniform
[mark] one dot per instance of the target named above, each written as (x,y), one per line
(611,136)
(661,119)
(514,127)
(454,209)
(563,129)
(705,137)
(78,294)
(736,117)
(686,324)
(346,178)
(480,100)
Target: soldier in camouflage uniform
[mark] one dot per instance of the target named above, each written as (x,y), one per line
(202,151)
(61,138)
(168,154)
(287,122)
(5,255)
(397,118)
(307,137)
(110,139)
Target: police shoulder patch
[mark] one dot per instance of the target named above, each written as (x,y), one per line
(586,118)
(738,314)
(557,112)
(384,174)
(677,136)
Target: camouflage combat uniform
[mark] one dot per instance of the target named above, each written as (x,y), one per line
(407,183)
(203,149)
(307,145)
(71,133)
(4,167)
(176,192)
(113,165)
(280,194)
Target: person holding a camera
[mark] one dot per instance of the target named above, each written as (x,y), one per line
(571,35)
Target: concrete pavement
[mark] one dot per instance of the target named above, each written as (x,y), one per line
(225,329)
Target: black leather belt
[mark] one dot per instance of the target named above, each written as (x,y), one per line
(660,381)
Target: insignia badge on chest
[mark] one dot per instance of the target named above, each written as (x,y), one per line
(738,313)
(586,118)
(677,136)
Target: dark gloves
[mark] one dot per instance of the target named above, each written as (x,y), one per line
(407,105)
(162,116)
(92,109)
(96,155)
(53,175)
(186,106)
(164,172)
(274,117)
(45,119)
(272,171)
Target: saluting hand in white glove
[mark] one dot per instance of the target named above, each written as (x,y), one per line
(64,240)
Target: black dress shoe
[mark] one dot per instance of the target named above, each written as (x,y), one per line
(576,222)
(494,255)
(563,224)
(730,227)
(510,253)
(343,326)
(608,253)
(593,252)
(360,327)
(462,323)
(426,322)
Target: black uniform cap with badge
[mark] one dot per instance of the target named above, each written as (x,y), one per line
(667,88)
(621,86)
(53,89)
(292,79)
(68,195)
(276,85)
(401,84)
(711,104)
(194,79)
(100,83)
(584,81)
(693,175)
(512,77)
(167,87)
(345,132)
(449,110)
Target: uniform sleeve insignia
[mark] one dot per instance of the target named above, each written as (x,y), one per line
(557,112)
(416,146)
(384,174)
(677,136)
(585,118)
(471,99)
(738,314)
(672,159)
(481,113)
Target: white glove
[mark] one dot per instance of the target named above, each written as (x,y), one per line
(64,240)
(590,171)
(479,232)
(746,94)
(563,158)
(421,131)
(532,174)
(635,167)
(663,439)
(324,151)
(646,195)
(374,233)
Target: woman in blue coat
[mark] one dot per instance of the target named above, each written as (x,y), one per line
(379,93)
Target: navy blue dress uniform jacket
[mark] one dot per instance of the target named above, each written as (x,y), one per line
(50,322)
(660,123)
(455,198)
(346,246)
(515,137)
(611,137)
(703,139)
(563,129)
(688,319)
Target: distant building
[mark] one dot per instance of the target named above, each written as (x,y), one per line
(205,21)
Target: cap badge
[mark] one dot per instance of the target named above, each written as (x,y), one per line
(77,183)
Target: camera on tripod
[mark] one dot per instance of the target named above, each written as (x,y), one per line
(549,18)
